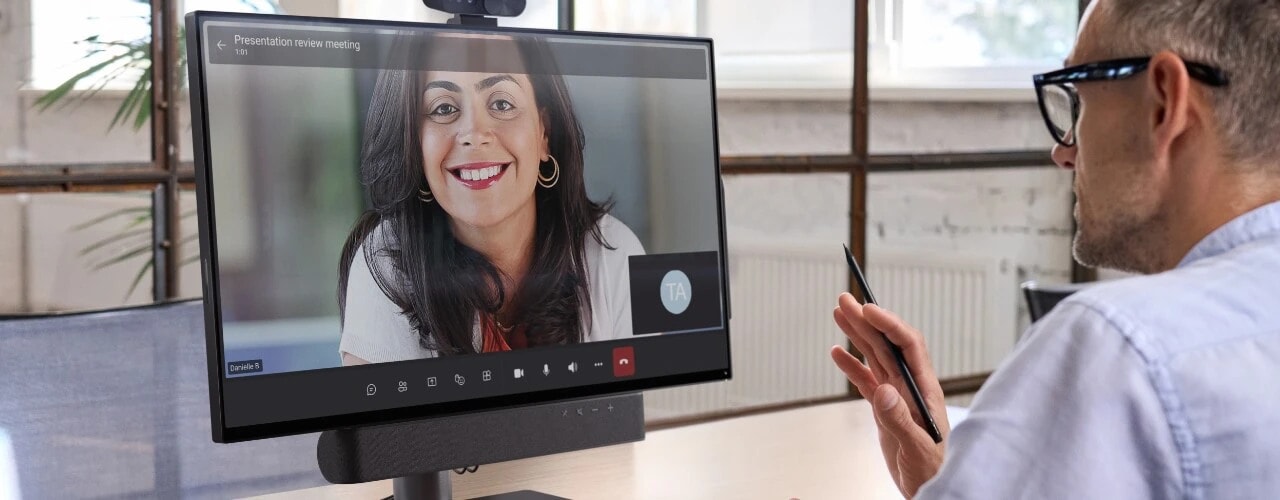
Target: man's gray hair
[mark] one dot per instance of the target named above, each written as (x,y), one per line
(1241,37)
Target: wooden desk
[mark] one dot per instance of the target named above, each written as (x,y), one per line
(827,451)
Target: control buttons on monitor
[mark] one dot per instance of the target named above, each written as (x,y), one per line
(599,364)
(459,379)
(370,390)
(402,386)
(518,373)
(610,407)
(624,361)
(676,291)
(546,370)
(431,381)
(579,412)
(486,376)
(573,367)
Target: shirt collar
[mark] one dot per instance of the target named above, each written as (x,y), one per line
(1254,225)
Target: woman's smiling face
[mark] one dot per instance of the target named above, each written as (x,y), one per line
(482,143)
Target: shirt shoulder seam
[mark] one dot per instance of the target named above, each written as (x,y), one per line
(1190,462)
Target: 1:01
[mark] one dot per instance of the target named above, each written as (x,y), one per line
(242,52)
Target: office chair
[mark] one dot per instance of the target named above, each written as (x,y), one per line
(115,404)
(1042,298)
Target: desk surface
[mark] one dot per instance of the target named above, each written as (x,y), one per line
(826,451)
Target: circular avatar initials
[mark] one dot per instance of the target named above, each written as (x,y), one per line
(676,292)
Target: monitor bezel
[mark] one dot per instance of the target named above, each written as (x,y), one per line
(209,261)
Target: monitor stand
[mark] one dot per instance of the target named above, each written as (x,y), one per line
(420,455)
(436,485)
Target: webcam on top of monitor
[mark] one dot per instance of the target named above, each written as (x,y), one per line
(501,8)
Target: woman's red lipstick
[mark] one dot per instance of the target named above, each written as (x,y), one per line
(479,175)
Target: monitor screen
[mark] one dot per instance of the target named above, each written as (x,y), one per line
(401,221)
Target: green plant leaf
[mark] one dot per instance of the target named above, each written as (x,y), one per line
(129,102)
(111,215)
(144,112)
(112,239)
(123,257)
(138,279)
(53,96)
(103,80)
(141,90)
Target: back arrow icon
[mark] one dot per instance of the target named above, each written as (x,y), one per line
(220,45)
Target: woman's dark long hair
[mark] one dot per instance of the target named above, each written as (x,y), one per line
(438,282)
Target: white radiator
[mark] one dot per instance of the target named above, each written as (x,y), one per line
(965,306)
(781,330)
(779,334)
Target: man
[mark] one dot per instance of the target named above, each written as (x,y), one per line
(1160,386)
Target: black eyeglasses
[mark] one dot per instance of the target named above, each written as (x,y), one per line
(1060,104)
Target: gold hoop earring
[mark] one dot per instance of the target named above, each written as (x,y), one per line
(549,182)
(425,196)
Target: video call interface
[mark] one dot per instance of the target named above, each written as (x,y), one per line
(407,215)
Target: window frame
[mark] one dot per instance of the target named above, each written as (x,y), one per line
(164,175)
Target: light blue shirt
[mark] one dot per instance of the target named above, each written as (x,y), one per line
(1161,386)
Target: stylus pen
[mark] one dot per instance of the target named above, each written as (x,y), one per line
(929,425)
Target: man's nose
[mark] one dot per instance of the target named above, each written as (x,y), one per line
(1064,156)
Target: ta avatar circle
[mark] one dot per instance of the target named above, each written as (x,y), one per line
(676,292)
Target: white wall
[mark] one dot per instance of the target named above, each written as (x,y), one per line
(1020,216)
(776,127)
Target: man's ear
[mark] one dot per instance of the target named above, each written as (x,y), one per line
(1170,93)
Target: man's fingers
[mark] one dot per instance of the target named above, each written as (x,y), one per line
(894,416)
(905,337)
(855,371)
(860,344)
(873,343)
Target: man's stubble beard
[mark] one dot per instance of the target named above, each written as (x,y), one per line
(1124,241)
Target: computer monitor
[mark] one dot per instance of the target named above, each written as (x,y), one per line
(403,221)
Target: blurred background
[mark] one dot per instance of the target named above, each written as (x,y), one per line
(947,186)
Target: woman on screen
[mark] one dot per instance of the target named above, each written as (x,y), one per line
(481,237)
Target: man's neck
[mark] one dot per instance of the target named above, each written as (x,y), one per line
(1212,202)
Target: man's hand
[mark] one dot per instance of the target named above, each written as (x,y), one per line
(911,454)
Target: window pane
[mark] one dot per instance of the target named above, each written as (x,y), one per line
(761,43)
(785,271)
(939,33)
(100,50)
(62,46)
(74,251)
(70,36)
(77,126)
(658,17)
(189,284)
(543,15)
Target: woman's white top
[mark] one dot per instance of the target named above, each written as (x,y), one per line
(376,330)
